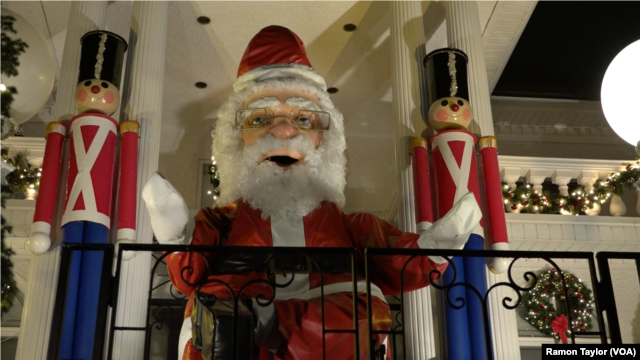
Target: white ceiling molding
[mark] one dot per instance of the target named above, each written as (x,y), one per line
(501,35)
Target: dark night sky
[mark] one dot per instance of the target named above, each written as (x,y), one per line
(566,48)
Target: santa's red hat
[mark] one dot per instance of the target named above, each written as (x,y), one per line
(276,53)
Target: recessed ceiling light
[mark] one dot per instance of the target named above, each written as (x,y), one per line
(349,27)
(203,20)
(332,90)
(201,85)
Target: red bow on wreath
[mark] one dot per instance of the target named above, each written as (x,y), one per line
(560,325)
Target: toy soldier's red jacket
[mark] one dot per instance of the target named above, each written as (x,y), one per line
(299,310)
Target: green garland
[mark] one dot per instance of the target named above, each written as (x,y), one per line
(24,177)
(11,50)
(8,282)
(540,306)
(579,201)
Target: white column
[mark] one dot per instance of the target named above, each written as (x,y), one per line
(148,44)
(407,34)
(464,33)
(35,326)
(504,327)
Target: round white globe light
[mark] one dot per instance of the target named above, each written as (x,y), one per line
(36,72)
(620,93)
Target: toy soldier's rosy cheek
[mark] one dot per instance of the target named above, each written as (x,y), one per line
(466,114)
(82,95)
(109,97)
(442,115)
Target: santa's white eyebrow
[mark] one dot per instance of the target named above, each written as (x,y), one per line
(265,102)
(302,103)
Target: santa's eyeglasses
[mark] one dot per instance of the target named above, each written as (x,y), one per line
(256,119)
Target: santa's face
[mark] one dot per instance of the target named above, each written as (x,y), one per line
(282,103)
(97,96)
(450,113)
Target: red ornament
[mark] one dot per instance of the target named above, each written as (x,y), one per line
(553,269)
(572,279)
(583,327)
(628,167)
(535,200)
(613,186)
(560,206)
(514,206)
(555,278)
(524,203)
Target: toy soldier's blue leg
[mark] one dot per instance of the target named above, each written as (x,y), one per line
(474,270)
(89,292)
(456,319)
(72,233)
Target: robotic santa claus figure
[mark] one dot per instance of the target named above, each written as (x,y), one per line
(280,144)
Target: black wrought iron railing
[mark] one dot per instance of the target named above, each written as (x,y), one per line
(271,265)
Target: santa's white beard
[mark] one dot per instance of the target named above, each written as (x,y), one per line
(279,192)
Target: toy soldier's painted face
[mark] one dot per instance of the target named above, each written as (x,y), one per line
(283,114)
(98,96)
(450,113)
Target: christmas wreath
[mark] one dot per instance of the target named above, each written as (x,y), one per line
(545,306)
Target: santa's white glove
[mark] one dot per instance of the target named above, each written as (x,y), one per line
(453,229)
(168,211)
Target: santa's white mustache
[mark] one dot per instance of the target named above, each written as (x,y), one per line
(299,148)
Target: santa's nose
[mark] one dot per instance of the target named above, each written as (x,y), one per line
(283,129)
(455,107)
(95,89)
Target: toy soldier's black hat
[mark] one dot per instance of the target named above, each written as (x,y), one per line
(101,56)
(446,71)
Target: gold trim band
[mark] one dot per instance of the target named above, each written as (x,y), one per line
(417,141)
(488,141)
(56,126)
(129,126)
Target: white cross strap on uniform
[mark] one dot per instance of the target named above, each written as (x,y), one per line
(459,174)
(86,160)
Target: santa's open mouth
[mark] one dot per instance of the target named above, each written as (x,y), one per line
(284,157)
(282,160)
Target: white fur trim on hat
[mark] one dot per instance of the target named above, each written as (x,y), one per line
(279,71)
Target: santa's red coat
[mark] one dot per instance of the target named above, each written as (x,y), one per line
(299,318)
